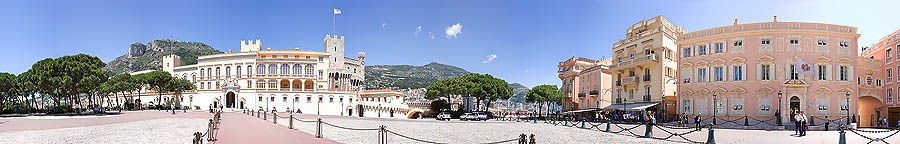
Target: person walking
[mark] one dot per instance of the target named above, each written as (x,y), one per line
(884,122)
(651,120)
(878,122)
(803,123)
(697,120)
(797,121)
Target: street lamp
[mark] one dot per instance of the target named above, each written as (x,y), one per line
(778,113)
(848,107)
(715,106)
(664,108)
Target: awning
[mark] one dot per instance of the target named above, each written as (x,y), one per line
(631,106)
(581,110)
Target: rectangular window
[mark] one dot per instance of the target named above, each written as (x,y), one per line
(766,41)
(795,41)
(765,72)
(822,72)
(890,95)
(844,73)
(738,43)
(793,72)
(889,77)
(687,52)
(702,74)
(822,42)
(738,73)
(845,44)
(719,72)
(720,48)
(702,50)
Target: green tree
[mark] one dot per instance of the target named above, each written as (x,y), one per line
(479,86)
(178,86)
(544,94)
(158,81)
(76,68)
(7,88)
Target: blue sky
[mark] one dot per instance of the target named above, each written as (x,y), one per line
(519,41)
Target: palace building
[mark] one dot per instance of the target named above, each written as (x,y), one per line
(766,69)
(314,82)
(885,53)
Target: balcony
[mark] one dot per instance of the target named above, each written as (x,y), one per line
(629,80)
(645,59)
(580,94)
(646,98)
(594,92)
(646,77)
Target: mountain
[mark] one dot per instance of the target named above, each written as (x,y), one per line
(408,76)
(519,92)
(149,56)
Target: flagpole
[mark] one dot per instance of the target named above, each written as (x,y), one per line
(332,23)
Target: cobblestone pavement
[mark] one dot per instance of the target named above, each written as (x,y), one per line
(236,128)
(158,131)
(54,122)
(450,131)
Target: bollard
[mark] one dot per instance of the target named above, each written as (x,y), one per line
(647,131)
(607,126)
(265,115)
(812,121)
(745,121)
(714,120)
(843,139)
(711,139)
(531,141)
(291,122)
(209,131)
(582,123)
(567,121)
(319,128)
(274,118)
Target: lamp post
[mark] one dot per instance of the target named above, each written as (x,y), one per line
(715,106)
(778,113)
(847,95)
(317,106)
(664,108)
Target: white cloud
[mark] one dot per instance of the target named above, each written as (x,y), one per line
(383,25)
(454,30)
(430,35)
(490,58)
(418,30)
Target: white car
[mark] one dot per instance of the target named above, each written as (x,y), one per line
(443,116)
(467,116)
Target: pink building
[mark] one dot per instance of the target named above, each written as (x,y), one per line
(749,68)
(885,51)
(585,83)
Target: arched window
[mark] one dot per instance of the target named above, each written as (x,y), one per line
(195,77)
(260,84)
(218,71)
(184,77)
(201,73)
(238,71)
(285,69)
(227,71)
(261,69)
(273,69)
(209,73)
(249,70)
(297,69)
(309,69)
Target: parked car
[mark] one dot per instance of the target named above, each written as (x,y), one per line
(480,116)
(467,116)
(443,116)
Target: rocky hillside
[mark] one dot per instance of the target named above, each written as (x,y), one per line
(149,56)
(519,92)
(408,76)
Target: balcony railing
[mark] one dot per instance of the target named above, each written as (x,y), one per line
(646,77)
(643,58)
(618,83)
(580,94)
(629,80)
(594,92)
(647,98)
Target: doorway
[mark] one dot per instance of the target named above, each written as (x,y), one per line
(360,110)
(229,100)
(242,104)
(795,107)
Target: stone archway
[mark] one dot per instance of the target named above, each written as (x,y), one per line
(794,107)
(869,110)
(230,99)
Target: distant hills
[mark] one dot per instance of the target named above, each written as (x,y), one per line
(149,56)
(408,76)
(519,92)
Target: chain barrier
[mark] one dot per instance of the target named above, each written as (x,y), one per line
(871,140)
(680,135)
(212,130)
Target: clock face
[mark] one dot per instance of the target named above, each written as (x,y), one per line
(869,80)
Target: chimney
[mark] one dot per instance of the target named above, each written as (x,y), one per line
(775,19)
(735,21)
(297,49)
(229,50)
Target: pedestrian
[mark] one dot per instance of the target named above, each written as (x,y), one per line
(651,121)
(803,122)
(797,121)
(697,120)
(826,123)
(898,124)
(210,108)
(878,122)
(884,122)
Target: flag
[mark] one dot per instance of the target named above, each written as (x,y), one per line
(337,11)
(802,67)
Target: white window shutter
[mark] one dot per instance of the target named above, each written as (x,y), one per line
(743,72)
(787,71)
(709,73)
(758,71)
(816,68)
(724,46)
(828,73)
(772,68)
(850,73)
(694,78)
(729,76)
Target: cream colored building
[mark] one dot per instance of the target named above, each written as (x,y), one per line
(644,65)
